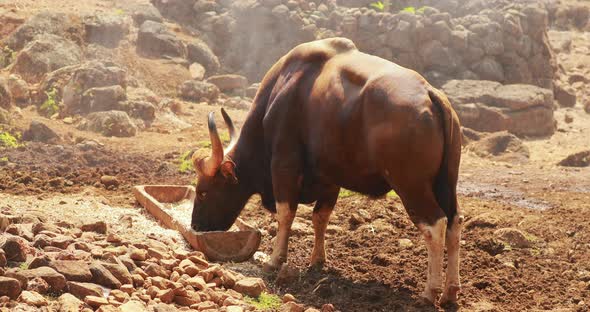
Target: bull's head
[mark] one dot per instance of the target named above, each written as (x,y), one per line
(220,197)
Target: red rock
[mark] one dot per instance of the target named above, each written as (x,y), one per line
(186,301)
(10,287)
(95,301)
(15,249)
(38,284)
(250,286)
(127,288)
(120,272)
(69,303)
(166,296)
(138,254)
(55,280)
(32,298)
(133,306)
(98,227)
(102,276)
(82,290)
(73,270)
(156,270)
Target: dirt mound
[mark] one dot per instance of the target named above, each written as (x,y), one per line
(581,159)
(501,146)
(38,167)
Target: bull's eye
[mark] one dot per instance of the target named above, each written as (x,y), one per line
(202,195)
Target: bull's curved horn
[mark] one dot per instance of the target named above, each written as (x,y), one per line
(233,138)
(213,162)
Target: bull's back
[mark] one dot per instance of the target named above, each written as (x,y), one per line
(362,114)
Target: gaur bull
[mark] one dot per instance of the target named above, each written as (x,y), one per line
(327,116)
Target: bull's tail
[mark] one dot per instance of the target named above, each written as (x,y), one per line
(445,183)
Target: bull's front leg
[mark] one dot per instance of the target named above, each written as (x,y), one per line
(286,186)
(285,215)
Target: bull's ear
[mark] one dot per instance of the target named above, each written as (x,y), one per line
(228,170)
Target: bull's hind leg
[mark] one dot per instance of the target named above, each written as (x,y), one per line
(452,283)
(321,216)
(434,236)
(432,223)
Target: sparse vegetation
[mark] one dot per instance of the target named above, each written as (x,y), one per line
(344,193)
(119,12)
(186,165)
(413,10)
(50,107)
(4,159)
(265,302)
(381,6)
(7,56)
(224,136)
(7,140)
(23,266)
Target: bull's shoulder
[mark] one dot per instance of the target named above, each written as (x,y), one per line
(320,50)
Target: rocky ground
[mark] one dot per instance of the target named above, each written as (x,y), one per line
(98,96)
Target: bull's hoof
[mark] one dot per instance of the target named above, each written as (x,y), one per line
(451,295)
(317,263)
(271,266)
(430,295)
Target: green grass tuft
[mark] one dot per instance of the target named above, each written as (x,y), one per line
(344,193)
(186,164)
(265,302)
(50,107)
(7,140)
(224,136)
(24,266)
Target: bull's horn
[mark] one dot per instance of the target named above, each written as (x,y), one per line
(233,138)
(213,162)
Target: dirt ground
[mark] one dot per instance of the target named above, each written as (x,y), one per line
(371,264)
(368,269)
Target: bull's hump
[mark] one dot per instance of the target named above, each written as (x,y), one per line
(322,50)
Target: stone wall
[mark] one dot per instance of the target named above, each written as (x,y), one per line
(486,40)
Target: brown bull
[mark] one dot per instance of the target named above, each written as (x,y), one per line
(328,116)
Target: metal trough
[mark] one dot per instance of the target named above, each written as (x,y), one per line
(217,246)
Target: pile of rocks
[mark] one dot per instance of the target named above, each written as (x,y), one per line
(507,44)
(524,110)
(88,268)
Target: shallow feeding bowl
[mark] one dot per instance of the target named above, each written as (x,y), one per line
(173,205)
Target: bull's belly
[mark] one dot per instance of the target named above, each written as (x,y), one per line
(371,185)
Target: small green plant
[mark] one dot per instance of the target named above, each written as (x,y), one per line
(409,9)
(392,194)
(4,159)
(119,12)
(224,136)
(344,193)
(186,164)
(7,56)
(50,107)
(265,302)
(413,10)
(8,140)
(381,6)
(23,266)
